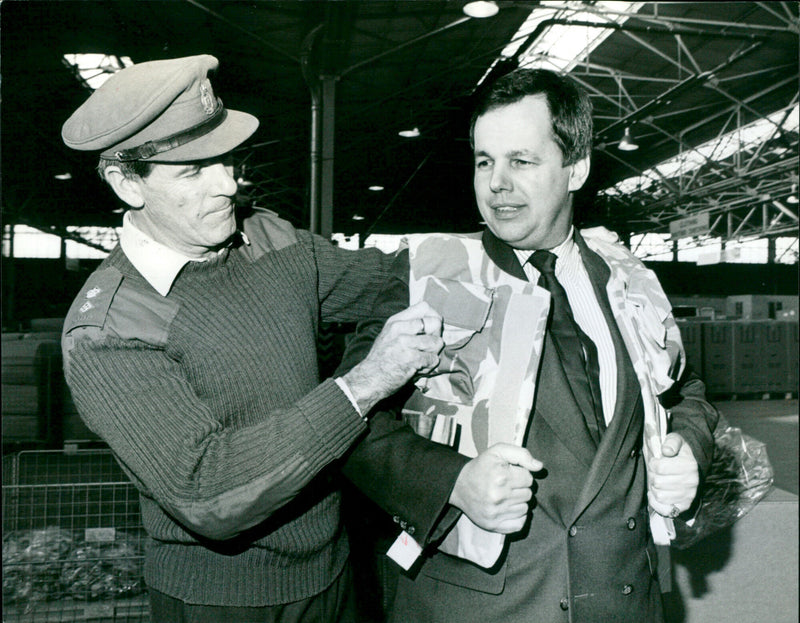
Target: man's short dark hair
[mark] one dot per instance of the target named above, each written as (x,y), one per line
(130,169)
(569,105)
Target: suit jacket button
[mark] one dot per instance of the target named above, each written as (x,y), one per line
(631,523)
(564,604)
(627,589)
(573,530)
(634,453)
(411,530)
(396,519)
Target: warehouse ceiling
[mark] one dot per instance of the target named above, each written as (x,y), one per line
(677,74)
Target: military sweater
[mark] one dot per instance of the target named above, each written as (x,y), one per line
(210,398)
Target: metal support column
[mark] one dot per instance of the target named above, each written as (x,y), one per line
(326,173)
(308,65)
(313,186)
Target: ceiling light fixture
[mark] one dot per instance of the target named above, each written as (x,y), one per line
(481,9)
(793,197)
(63,176)
(413,133)
(627,144)
(376,188)
(358,217)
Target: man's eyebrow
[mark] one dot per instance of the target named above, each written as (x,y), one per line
(514,153)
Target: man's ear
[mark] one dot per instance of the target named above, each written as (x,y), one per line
(125,188)
(578,173)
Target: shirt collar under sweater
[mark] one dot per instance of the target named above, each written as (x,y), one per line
(158,264)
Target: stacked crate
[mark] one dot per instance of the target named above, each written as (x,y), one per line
(31,373)
(743,357)
(37,409)
(717,357)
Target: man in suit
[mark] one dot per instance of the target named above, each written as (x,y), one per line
(558,341)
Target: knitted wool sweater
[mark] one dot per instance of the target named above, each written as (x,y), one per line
(211,401)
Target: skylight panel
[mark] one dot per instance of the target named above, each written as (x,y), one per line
(562,46)
(537,16)
(94,69)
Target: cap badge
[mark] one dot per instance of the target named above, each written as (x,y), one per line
(207,97)
(93,293)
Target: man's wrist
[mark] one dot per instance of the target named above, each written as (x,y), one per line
(364,392)
(349,393)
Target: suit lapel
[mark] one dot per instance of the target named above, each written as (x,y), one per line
(599,274)
(502,255)
(572,431)
(628,390)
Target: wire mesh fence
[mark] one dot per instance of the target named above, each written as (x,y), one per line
(73,542)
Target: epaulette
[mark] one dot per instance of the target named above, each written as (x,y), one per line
(266,231)
(90,307)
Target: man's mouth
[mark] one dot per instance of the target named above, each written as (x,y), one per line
(506,209)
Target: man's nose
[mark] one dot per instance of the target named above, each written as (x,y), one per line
(500,180)
(224,180)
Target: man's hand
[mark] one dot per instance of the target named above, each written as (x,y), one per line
(672,478)
(495,489)
(408,344)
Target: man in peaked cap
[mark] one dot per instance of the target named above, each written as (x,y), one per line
(191,351)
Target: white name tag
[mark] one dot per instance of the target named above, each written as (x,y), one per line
(404,551)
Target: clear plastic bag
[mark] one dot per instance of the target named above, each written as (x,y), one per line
(32,563)
(105,570)
(740,476)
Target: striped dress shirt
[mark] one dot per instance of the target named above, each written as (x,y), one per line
(572,274)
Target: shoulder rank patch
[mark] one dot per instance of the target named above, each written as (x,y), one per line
(91,305)
(266,231)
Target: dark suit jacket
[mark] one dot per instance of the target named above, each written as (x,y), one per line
(586,554)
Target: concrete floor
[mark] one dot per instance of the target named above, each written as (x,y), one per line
(775,422)
(748,573)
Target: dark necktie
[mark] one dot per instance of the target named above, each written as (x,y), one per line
(577,352)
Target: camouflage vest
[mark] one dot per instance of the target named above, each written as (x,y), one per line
(494,324)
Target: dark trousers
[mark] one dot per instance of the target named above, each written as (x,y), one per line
(336,604)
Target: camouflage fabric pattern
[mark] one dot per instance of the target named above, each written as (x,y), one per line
(494,324)
(652,339)
(482,391)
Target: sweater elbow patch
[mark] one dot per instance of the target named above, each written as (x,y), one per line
(229,513)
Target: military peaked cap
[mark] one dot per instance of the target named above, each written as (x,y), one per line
(162,111)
